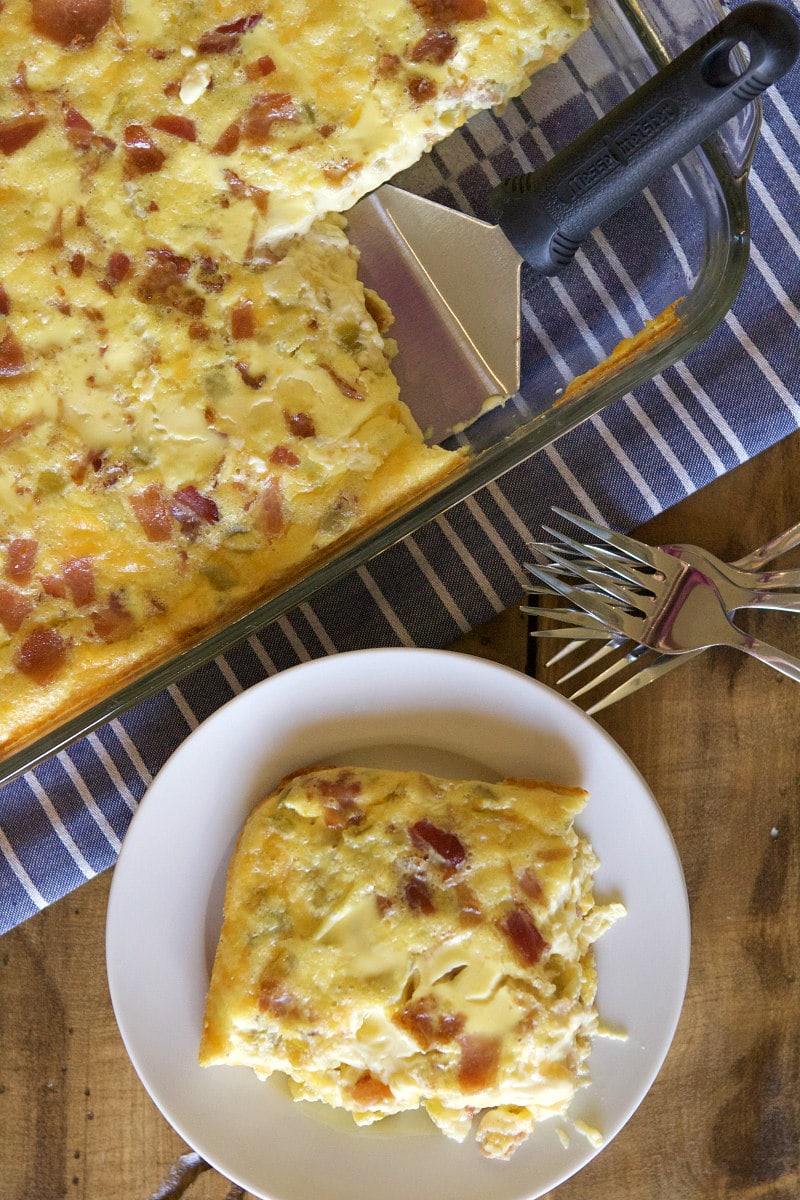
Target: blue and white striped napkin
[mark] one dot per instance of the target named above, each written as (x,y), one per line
(734,396)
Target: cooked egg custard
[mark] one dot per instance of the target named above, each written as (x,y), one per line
(229,123)
(393,940)
(196,399)
(178,437)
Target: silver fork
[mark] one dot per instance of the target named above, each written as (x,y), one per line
(741,584)
(623,591)
(738,587)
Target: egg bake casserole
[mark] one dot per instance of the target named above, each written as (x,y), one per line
(196,398)
(392,940)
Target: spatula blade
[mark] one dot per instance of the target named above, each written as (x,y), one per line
(452,282)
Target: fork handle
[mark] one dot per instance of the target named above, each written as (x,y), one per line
(765,598)
(772,549)
(787,664)
(546,214)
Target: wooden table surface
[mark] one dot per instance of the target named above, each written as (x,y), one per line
(718,741)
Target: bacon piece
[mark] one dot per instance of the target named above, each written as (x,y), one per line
(269,516)
(427,836)
(436,46)
(247,191)
(57,236)
(54,585)
(20,557)
(167,265)
(342,814)
(344,387)
(41,654)
(151,511)
(369,1092)
(72,23)
(427,1022)
(179,127)
(228,140)
(388,65)
(337,172)
(282,456)
(16,132)
(208,275)
(520,929)
(480,1058)
(343,787)
(81,134)
(437,13)
(12,357)
(260,68)
(418,895)
(299,424)
(530,885)
(144,157)
(421,88)
(165,282)
(225,38)
(79,466)
(253,381)
(77,263)
(554,854)
(15,606)
(340,807)
(113,622)
(243,322)
(191,509)
(79,130)
(79,577)
(5,303)
(118,267)
(264,111)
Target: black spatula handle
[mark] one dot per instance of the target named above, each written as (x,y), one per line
(547,213)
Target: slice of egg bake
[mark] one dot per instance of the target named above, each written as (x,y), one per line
(234,121)
(392,940)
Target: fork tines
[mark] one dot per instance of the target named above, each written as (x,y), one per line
(607,587)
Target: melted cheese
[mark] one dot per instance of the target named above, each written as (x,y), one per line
(196,400)
(393,941)
(286,428)
(329,98)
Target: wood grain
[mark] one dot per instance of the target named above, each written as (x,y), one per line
(719,743)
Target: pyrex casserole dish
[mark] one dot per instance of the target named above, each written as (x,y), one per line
(702,206)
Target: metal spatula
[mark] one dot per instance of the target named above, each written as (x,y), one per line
(453,282)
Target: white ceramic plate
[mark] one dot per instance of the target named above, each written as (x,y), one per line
(437,711)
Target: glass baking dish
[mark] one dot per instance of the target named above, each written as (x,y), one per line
(567,372)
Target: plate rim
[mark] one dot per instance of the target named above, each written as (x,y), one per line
(296,675)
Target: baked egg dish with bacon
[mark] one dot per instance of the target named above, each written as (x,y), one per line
(179,436)
(230,122)
(393,941)
(196,396)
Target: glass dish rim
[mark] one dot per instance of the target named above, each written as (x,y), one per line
(485,467)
